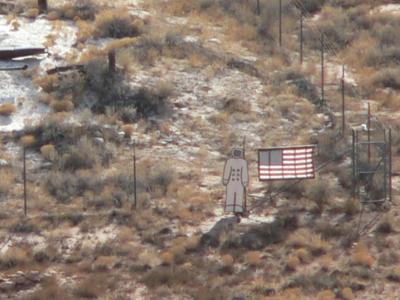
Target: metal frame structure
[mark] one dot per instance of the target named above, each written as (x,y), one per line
(372,160)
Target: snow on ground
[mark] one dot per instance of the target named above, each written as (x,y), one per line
(387,8)
(18,89)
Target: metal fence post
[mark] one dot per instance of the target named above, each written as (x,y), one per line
(343,103)
(301,36)
(134,176)
(24,179)
(322,71)
(280,23)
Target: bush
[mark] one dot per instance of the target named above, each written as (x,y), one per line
(7,109)
(169,276)
(65,186)
(387,78)
(362,257)
(13,257)
(318,192)
(117,24)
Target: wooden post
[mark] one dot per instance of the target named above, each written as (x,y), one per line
(134,176)
(343,103)
(258,8)
(280,23)
(24,179)
(369,133)
(322,71)
(42,5)
(301,36)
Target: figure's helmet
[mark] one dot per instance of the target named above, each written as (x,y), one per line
(237,153)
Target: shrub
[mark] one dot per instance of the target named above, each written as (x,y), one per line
(49,152)
(169,276)
(292,263)
(253,258)
(128,129)
(318,192)
(167,258)
(117,24)
(7,109)
(61,105)
(227,260)
(347,294)
(49,290)
(13,257)
(91,287)
(326,295)
(362,257)
(82,156)
(387,78)
(28,140)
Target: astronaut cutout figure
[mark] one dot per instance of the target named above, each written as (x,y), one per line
(236,178)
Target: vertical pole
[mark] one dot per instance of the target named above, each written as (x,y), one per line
(280,23)
(343,103)
(322,71)
(385,166)
(301,36)
(258,8)
(369,133)
(24,178)
(353,161)
(390,164)
(134,176)
(244,148)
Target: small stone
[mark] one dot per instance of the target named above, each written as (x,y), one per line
(7,286)
(3,163)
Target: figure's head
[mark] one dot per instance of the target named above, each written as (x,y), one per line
(237,153)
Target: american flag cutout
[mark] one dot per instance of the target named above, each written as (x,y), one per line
(297,162)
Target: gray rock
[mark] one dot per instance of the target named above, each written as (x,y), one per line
(3,163)
(7,286)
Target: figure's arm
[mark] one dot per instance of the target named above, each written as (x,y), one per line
(227,172)
(245,174)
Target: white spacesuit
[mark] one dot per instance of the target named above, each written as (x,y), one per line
(236,178)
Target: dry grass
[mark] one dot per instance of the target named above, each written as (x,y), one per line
(49,152)
(28,140)
(361,256)
(7,109)
(304,238)
(326,295)
(292,263)
(117,24)
(14,257)
(227,260)
(61,105)
(347,294)
(167,258)
(253,258)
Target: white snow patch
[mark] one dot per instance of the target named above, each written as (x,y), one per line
(17,89)
(388,8)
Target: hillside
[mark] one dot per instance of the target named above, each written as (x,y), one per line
(191,81)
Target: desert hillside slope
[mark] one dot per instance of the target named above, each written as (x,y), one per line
(193,79)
